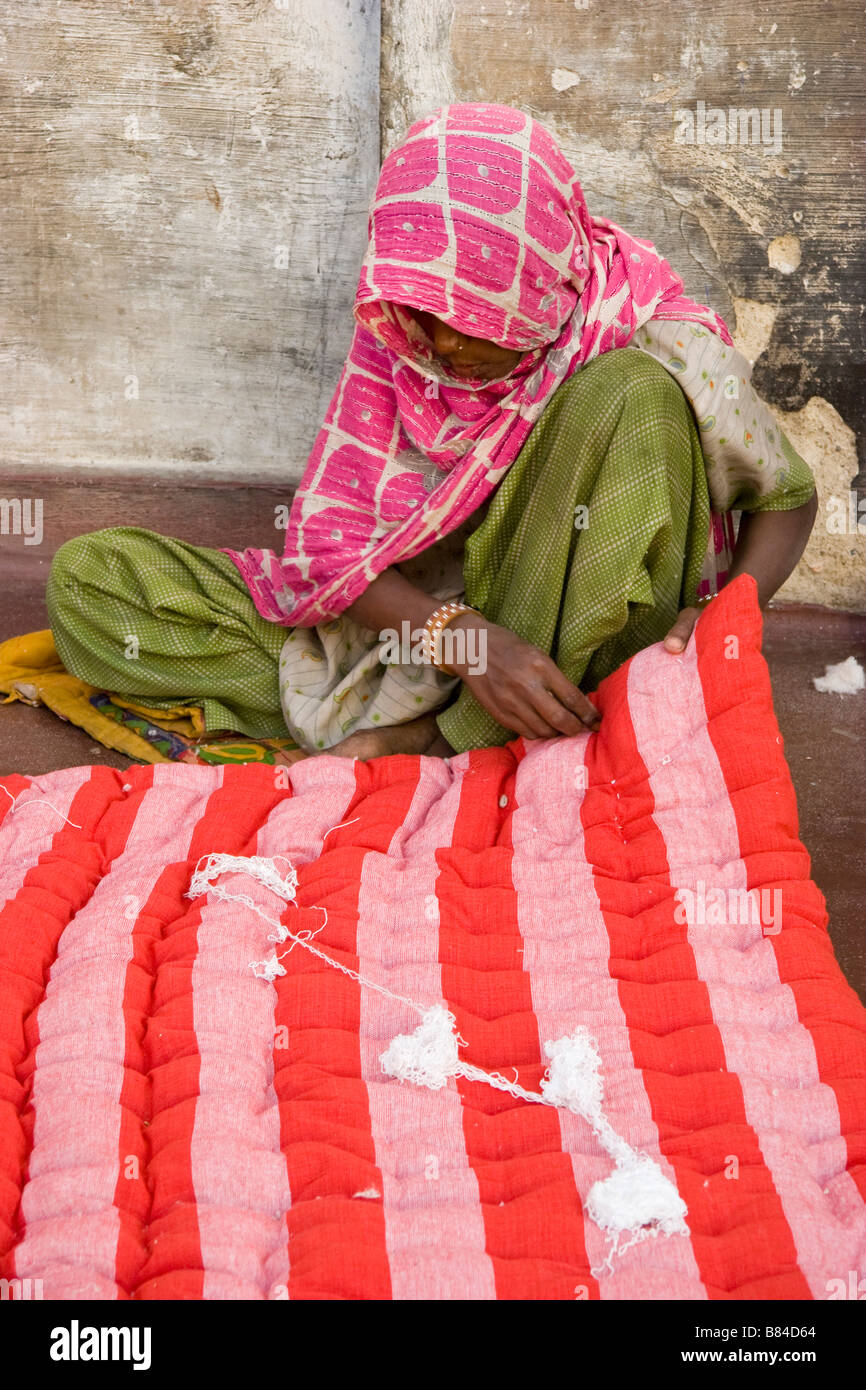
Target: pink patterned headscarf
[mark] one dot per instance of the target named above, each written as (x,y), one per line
(478,218)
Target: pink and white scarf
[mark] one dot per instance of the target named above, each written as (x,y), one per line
(478,218)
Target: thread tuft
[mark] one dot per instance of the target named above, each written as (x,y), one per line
(637,1196)
(256,865)
(573,1078)
(267,969)
(427,1057)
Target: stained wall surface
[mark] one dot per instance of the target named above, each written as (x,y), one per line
(185,189)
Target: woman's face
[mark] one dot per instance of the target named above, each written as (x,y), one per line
(469,357)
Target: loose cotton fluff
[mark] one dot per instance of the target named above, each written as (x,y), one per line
(845,678)
(636,1198)
(427,1057)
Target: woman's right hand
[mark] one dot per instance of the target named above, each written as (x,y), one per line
(519,684)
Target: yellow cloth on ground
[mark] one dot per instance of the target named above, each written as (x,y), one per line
(31,671)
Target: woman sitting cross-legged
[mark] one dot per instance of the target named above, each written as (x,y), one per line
(531,457)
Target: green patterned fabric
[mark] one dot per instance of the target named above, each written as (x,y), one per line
(793,486)
(592,543)
(162,622)
(592,587)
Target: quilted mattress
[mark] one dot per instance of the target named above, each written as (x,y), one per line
(175,1126)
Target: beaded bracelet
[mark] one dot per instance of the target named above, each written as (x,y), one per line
(436,624)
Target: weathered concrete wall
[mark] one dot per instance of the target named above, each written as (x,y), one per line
(185,190)
(770,233)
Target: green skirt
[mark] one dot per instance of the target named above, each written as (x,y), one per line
(593,542)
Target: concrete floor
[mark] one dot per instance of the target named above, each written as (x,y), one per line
(825,738)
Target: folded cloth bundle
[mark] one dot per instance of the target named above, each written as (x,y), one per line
(31,671)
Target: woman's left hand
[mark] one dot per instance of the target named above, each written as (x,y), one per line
(769,544)
(682,630)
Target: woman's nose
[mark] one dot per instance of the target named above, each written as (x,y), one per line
(446,339)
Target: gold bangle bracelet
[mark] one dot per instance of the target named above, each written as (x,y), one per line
(436,624)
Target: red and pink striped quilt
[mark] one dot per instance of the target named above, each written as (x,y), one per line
(174,1127)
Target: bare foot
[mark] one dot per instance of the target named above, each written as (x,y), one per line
(416,736)
(439,748)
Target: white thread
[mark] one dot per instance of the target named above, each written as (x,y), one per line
(37,801)
(339,827)
(255,865)
(222,863)
(636,1197)
(267,969)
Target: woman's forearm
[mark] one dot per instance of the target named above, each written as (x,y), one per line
(769,544)
(391,600)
